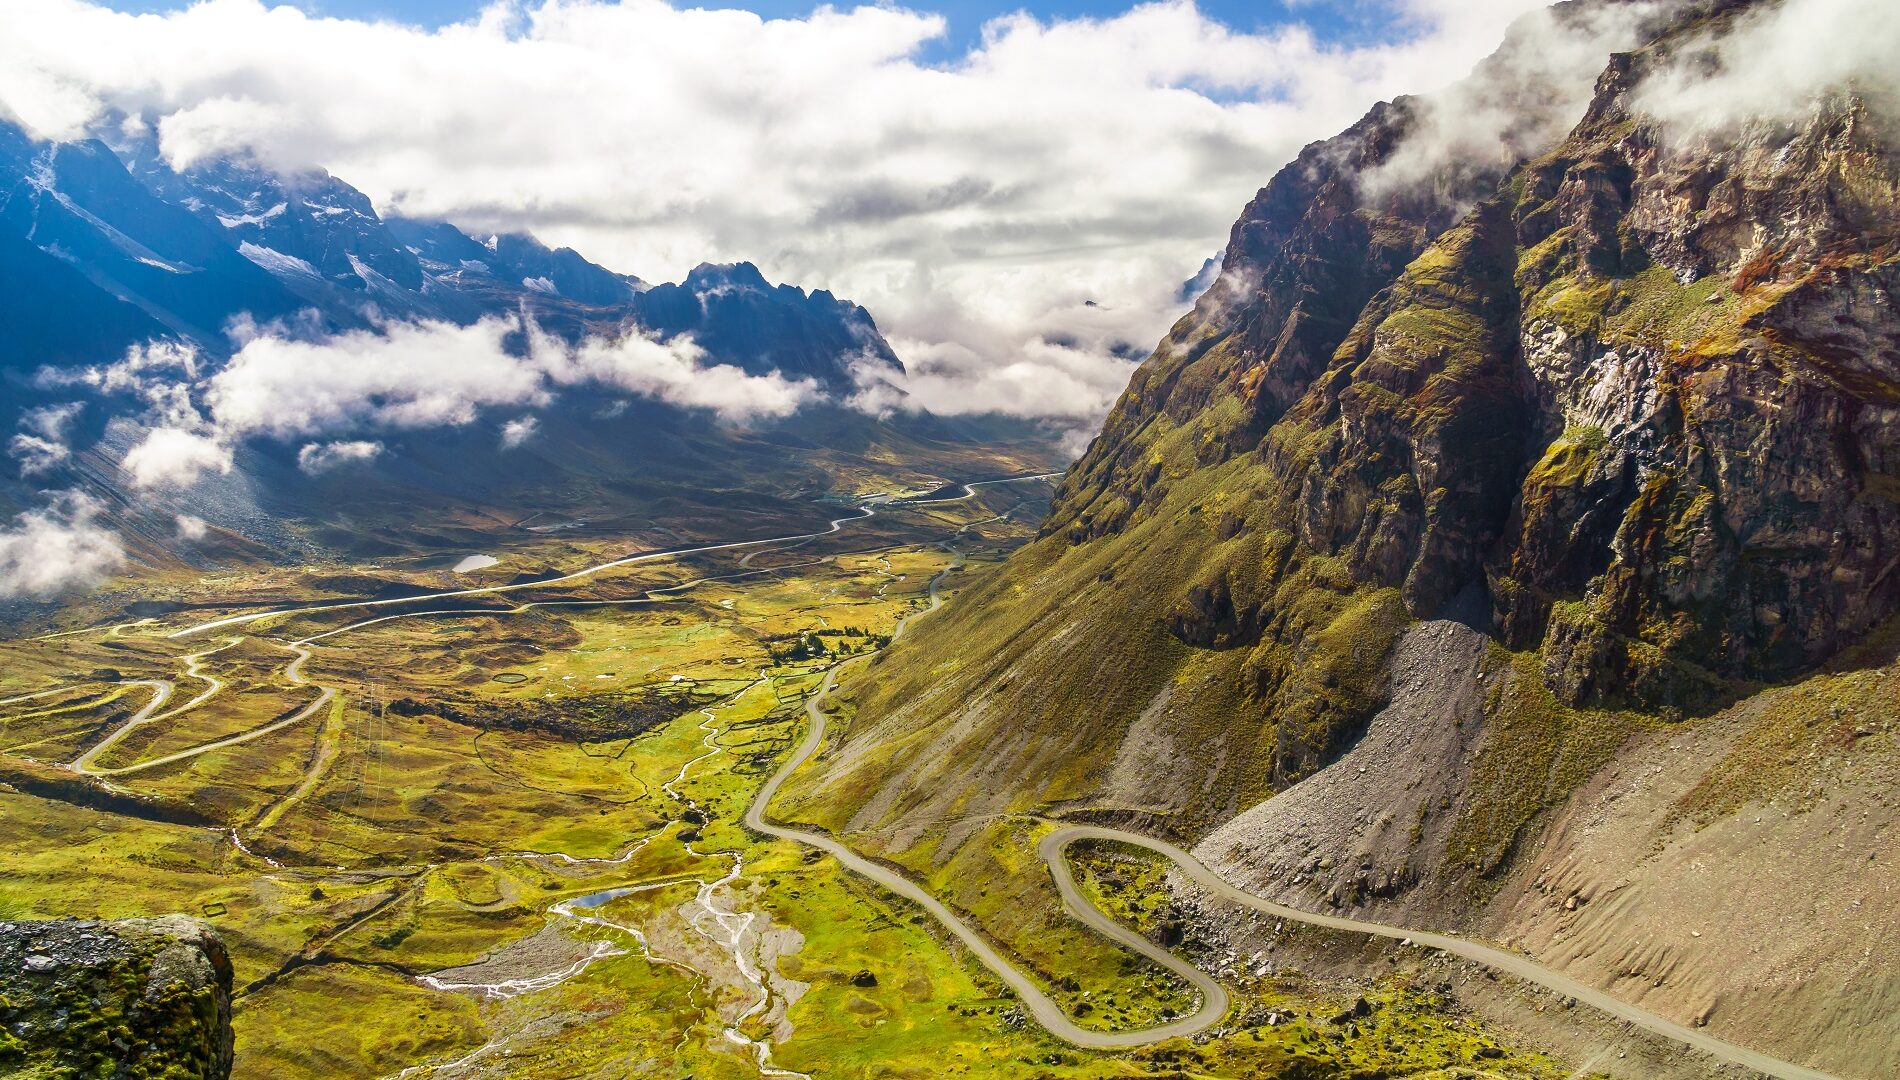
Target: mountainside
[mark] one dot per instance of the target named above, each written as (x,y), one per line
(77,203)
(1627,406)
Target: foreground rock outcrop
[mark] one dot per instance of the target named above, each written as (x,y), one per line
(127,1000)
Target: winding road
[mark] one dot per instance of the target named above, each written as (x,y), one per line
(161,693)
(1045,1009)
(1054,846)
(239,620)
(293,672)
(866,511)
(1053,850)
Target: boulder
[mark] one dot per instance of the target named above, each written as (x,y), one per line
(135,998)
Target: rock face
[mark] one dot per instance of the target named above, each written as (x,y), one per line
(1432,566)
(132,999)
(1645,393)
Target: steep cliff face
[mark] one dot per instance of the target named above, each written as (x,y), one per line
(1625,401)
(1715,381)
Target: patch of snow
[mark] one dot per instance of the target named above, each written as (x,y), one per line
(372,278)
(276,261)
(120,240)
(251,219)
(476,265)
(540,285)
(40,175)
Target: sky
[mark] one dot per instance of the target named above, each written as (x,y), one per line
(1017,195)
(1328,21)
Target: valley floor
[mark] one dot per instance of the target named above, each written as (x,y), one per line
(502,832)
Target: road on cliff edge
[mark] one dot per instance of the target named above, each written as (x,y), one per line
(1054,847)
(1053,850)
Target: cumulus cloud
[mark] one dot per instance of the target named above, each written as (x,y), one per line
(673,371)
(137,372)
(58,547)
(409,375)
(319,458)
(172,444)
(972,204)
(175,457)
(434,374)
(191,527)
(41,443)
(1056,381)
(518,431)
(1777,63)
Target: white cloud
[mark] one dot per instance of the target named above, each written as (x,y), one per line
(135,372)
(971,205)
(1048,380)
(410,375)
(674,371)
(41,443)
(175,457)
(56,548)
(433,374)
(518,431)
(1519,101)
(191,527)
(1775,63)
(319,458)
(401,376)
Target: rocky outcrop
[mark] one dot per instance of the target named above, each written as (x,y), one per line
(139,998)
(1645,393)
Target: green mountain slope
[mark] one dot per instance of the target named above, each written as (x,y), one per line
(1629,407)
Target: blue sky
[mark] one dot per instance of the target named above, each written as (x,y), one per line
(1350,22)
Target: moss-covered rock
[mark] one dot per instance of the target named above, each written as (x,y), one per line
(139,999)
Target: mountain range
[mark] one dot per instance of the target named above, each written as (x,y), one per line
(128,248)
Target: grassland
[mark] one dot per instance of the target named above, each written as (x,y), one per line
(507,842)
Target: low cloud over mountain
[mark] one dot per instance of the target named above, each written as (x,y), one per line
(57,547)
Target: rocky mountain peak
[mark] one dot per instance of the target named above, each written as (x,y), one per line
(739,275)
